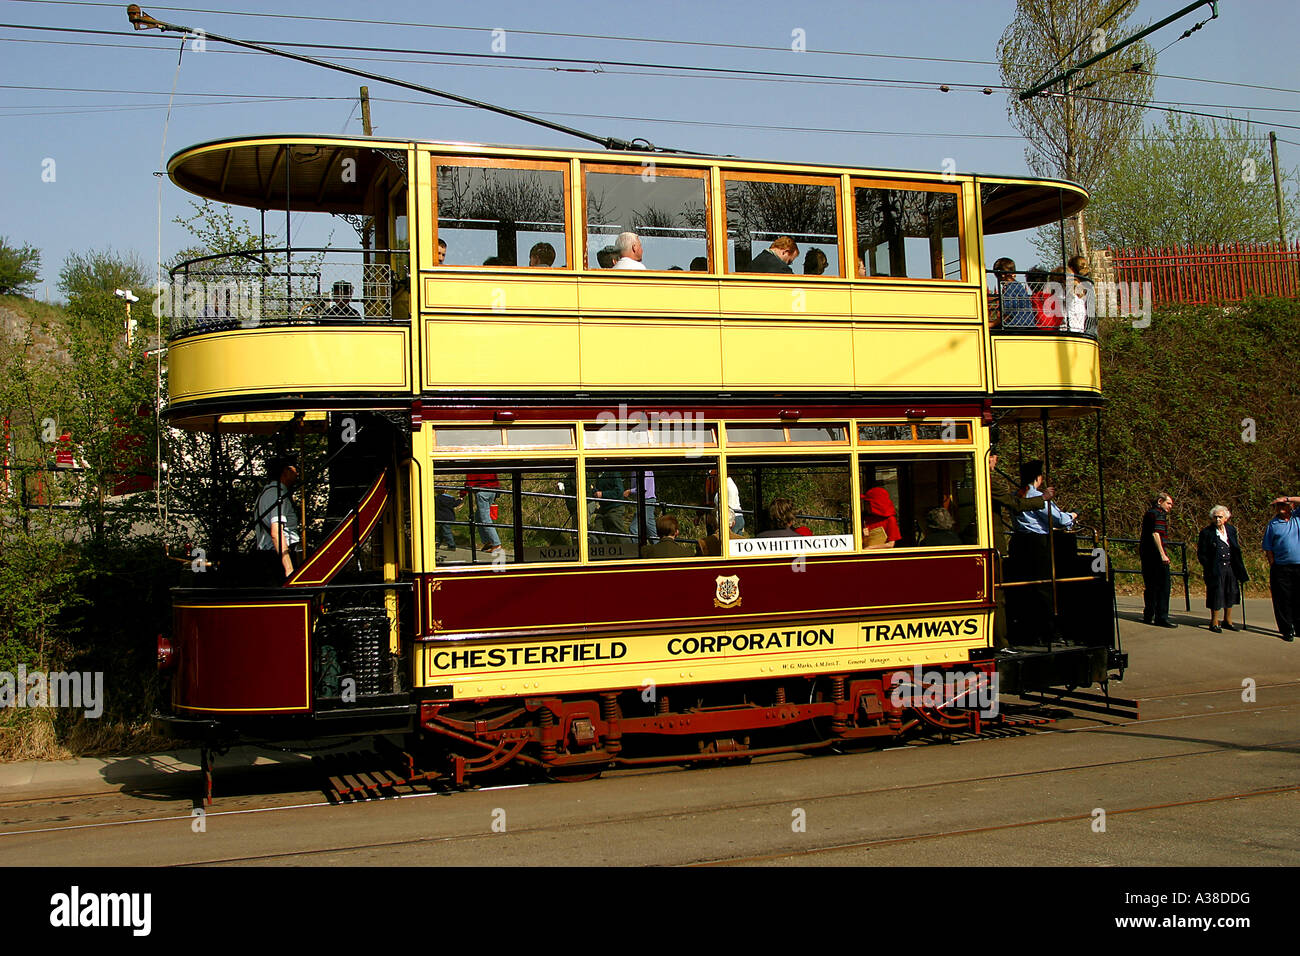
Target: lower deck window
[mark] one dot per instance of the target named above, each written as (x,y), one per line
(650,509)
(927,502)
(486,514)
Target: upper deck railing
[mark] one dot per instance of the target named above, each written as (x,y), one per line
(301,285)
(1042,302)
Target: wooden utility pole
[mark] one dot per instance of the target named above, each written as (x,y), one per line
(1277,188)
(365,111)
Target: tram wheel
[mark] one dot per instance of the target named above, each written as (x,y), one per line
(574,774)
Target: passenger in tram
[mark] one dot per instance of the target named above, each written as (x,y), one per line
(341,305)
(939,531)
(1049,313)
(776,257)
(814,263)
(609,514)
(444,513)
(1078,293)
(542,254)
(1006,505)
(650,503)
(1031,554)
(711,544)
(735,516)
(862,260)
(1015,305)
(442,251)
(607,257)
(630,253)
(781,512)
(879,520)
(700,264)
(484,486)
(494,261)
(1032,479)
(277,519)
(667,545)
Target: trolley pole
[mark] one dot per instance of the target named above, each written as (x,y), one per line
(1277,192)
(365,112)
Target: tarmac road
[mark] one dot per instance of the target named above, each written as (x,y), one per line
(1202,778)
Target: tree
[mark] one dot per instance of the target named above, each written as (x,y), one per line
(103,271)
(1190,182)
(20,266)
(1076,128)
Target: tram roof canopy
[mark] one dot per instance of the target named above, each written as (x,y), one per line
(275,174)
(1011,206)
(311,174)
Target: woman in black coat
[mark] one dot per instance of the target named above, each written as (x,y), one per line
(1219,552)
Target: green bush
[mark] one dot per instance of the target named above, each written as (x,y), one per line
(1203,405)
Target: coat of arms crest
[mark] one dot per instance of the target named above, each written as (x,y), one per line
(728,591)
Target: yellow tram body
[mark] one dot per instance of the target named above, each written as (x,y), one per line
(891,357)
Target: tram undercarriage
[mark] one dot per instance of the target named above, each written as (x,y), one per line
(573,737)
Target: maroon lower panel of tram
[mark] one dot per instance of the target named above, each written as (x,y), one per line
(659,596)
(241,656)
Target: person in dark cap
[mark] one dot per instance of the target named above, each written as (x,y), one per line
(1007,503)
(341,306)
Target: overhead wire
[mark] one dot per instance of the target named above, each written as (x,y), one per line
(539,33)
(792,77)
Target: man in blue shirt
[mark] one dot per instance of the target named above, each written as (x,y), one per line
(1282,549)
(1031,555)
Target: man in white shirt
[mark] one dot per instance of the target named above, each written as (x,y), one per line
(277,521)
(628,247)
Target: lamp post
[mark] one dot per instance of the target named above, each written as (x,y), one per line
(127,295)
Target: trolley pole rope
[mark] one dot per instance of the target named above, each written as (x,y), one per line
(142,21)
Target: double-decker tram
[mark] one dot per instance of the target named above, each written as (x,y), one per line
(577,501)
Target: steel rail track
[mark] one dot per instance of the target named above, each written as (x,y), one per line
(182,786)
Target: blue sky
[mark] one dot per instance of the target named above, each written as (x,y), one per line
(106,142)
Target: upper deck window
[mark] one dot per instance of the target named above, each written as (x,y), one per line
(495,214)
(740,434)
(907,230)
(668,209)
(518,436)
(762,212)
(951,431)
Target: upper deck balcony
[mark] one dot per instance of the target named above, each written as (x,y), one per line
(1044,335)
(277,322)
(1042,322)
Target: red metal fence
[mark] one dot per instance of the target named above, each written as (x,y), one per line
(1212,273)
